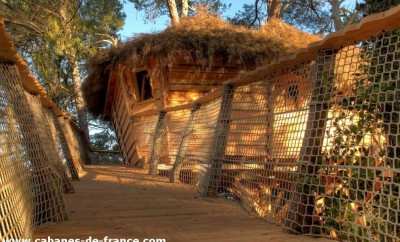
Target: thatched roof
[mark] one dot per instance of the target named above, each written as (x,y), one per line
(204,37)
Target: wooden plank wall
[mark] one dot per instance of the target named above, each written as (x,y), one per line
(120,117)
(134,135)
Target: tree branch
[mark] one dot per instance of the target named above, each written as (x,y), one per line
(173,12)
(30,26)
(255,12)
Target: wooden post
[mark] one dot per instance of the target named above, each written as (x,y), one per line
(180,156)
(73,170)
(158,134)
(270,120)
(117,131)
(49,127)
(209,183)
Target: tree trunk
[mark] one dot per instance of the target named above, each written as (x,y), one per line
(76,76)
(185,8)
(335,14)
(80,105)
(173,12)
(274,8)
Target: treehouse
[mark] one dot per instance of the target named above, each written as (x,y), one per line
(154,72)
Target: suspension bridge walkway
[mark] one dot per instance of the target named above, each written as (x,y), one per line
(126,203)
(310,143)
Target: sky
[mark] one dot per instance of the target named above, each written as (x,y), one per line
(135,21)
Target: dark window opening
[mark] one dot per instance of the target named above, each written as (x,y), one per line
(293,92)
(144,85)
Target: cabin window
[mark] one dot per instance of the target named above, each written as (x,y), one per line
(293,92)
(144,86)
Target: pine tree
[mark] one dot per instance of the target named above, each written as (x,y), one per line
(59,35)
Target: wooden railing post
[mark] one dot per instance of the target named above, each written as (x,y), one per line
(49,128)
(158,133)
(180,156)
(209,182)
(270,119)
(73,169)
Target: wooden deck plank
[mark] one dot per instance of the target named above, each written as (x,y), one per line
(127,203)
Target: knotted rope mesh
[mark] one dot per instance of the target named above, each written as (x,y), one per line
(15,191)
(33,175)
(314,147)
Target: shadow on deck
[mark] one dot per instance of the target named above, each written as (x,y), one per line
(122,202)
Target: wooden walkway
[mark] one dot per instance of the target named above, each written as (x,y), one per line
(126,203)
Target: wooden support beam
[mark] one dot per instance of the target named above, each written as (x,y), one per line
(209,182)
(193,87)
(180,156)
(159,132)
(270,118)
(67,149)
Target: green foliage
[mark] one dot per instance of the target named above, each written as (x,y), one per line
(356,168)
(55,35)
(62,30)
(310,15)
(81,25)
(103,138)
(354,184)
(103,142)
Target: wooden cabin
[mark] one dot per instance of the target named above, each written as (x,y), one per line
(175,67)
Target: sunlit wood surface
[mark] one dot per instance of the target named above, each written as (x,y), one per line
(126,203)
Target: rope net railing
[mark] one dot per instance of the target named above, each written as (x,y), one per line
(38,158)
(312,146)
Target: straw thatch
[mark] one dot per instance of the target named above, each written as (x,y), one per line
(204,38)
